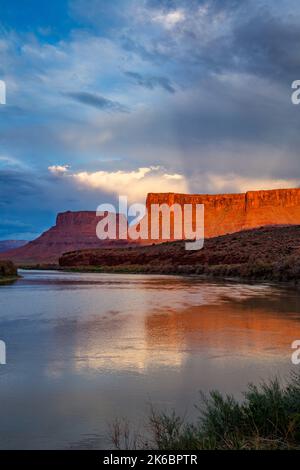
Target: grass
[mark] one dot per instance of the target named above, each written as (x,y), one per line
(268,418)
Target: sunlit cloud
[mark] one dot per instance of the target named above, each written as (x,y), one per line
(134,184)
(58,169)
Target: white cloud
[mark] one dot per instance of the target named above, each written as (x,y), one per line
(171,19)
(7,161)
(58,169)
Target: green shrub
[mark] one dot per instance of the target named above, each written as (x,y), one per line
(267,418)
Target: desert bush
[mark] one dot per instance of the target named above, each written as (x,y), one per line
(267,418)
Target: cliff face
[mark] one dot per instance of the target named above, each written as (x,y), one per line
(224,214)
(72,231)
(229,213)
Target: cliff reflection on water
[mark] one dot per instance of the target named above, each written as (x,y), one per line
(167,338)
(91,347)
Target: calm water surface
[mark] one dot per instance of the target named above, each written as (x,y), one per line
(83,349)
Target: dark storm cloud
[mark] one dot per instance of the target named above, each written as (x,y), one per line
(151,82)
(97,101)
(256,37)
(14,185)
(17,227)
(30,201)
(269,46)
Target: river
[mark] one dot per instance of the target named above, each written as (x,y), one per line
(83,349)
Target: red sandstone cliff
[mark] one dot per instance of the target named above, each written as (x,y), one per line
(229,213)
(224,214)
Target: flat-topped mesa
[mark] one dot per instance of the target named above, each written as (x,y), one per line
(67,219)
(73,231)
(229,213)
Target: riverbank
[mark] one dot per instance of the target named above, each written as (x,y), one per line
(8,280)
(8,272)
(265,254)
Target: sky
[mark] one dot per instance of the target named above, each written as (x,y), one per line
(134,96)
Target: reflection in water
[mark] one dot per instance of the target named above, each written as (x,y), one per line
(223,329)
(92,347)
(167,338)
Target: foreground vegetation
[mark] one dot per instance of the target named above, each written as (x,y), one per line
(8,272)
(268,418)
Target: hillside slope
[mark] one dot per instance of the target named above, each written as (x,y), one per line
(270,253)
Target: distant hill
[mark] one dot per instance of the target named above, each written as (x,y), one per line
(6,245)
(266,253)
